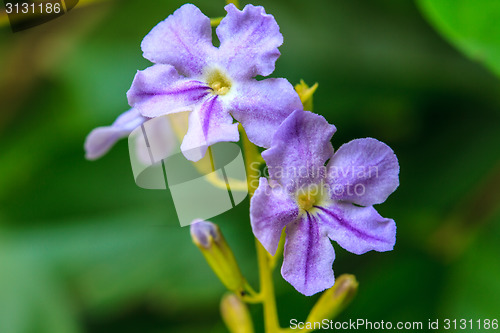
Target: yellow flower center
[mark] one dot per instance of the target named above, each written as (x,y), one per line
(218,82)
(310,196)
(306,201)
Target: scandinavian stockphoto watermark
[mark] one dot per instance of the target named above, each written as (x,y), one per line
(200,190)
(342,181)
(218,181)
(25,14)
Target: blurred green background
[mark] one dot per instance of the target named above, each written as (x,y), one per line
(83,249)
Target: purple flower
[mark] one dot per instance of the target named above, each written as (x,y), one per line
(318,202)
(101,139)
(215,84)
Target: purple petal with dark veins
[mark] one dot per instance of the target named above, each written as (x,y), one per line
(271,209)
(101,139)
(364,172)
(261,106)
(183,40)
(308,257)
(160,90)
(358,229)
(249,41)
(209,123)
(300,148)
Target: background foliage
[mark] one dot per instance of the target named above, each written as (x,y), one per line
(83,249)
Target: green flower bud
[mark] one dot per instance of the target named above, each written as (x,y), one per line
(334,300)
(306,94)
(235,314)
(208,238)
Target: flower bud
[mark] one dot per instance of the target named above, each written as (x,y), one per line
(213,246)
(306,94)
(335,299)
(235,314)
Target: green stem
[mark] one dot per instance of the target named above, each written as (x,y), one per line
(266,295)
(271,322)
(250,295)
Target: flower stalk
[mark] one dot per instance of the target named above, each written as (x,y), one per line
(271,322)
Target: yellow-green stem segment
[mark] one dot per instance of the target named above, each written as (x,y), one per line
(271,322)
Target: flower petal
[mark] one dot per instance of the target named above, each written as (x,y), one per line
(208,124)
(308,257)
(160,90)
(358,229)
(184,40)
(364,172)
(261,106)
(271,209)
(154,142)
(300,148)
(101,139)
(249,41)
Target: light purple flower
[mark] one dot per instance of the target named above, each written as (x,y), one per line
(215,84)
(318,202)
(101,139)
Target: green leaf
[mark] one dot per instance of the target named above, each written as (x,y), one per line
(472,26)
